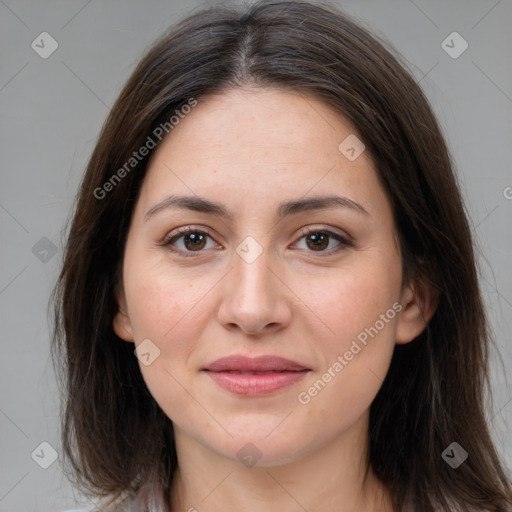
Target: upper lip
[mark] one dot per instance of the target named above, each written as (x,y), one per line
(254,364)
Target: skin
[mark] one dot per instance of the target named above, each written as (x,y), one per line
(251,149)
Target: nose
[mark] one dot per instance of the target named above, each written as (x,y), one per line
(255,299)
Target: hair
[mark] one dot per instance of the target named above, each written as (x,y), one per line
(116,439)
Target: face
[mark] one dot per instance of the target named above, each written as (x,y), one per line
(316,283)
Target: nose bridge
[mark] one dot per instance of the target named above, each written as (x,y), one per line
(252,270)
(253,299)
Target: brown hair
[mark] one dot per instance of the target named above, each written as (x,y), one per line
(115,436)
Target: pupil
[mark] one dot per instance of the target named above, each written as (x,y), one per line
(196,239)
(320,240)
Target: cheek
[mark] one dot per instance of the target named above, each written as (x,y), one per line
(353,299)
(169,309)
(358,307)
(166,303)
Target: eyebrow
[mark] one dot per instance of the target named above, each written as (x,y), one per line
(199,204)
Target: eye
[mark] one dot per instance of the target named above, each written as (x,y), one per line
(318,240)
(194,240)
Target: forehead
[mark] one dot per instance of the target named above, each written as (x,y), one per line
(274,124)
(254,144)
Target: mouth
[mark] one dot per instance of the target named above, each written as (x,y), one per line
(259,376)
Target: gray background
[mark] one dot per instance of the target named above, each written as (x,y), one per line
(51,113)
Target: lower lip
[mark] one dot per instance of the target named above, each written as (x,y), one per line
(255,384)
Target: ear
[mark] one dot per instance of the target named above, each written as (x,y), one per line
(121,324)
(419,303)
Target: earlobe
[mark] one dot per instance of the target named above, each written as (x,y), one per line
(121,323)
(419,303)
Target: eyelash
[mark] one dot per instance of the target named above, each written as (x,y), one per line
(344,242)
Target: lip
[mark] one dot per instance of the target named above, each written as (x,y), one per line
(244,376)
(265,363)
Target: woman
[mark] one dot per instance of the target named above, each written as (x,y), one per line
(269,298)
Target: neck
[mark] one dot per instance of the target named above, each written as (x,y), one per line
(334,477)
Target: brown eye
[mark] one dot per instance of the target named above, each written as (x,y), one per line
(317,241)
(194,241)
(187,241)
(320,240)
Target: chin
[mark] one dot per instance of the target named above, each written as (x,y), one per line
(259,449)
